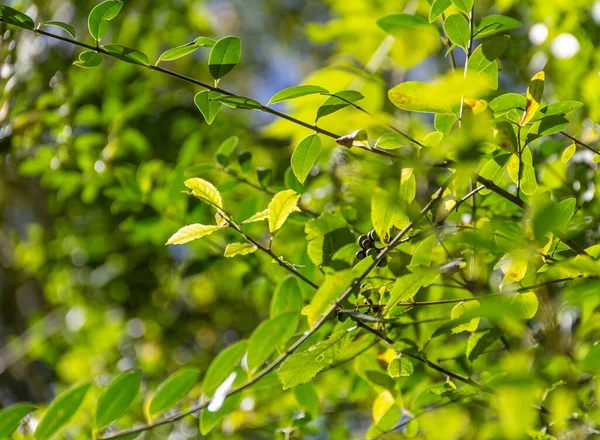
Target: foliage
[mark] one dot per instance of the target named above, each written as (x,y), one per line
(402,244)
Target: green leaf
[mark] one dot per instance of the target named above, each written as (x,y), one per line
(495,24)
(117,397)
(234,249)
(331,289)
(438,8)
(258,217)
(60,411)
(535,92)
(287,297)
(326,235)
(382,405)
(269,335)
(225,149)
(16,18)
(264,176)
(568,153)
(528,180)
(305,155)
(222,366)
(180,51)
(208,106)
(526,303)
(482,62)
(192,232)
(507,102)
(281,206)
(558,108)
(88,59)
(173,389)
(478,342)
(307,398)
(238,102)
(59,24)
(553,218)
(302,367)
(423,253)
(463,5)
(204,190)
(10,418)
(546,127)
(385,211)
(444,123)
(224,56)
(390,141)
(458,310)
(338,101)
(127,54)
(457,29)
(408,187)
(296,92)
(400,367)
(100,16)
(407,286)
(210,417)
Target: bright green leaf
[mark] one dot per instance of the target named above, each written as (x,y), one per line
(281,206)
(495,24)
(338,101)
(59,24)
(269,335)
(224,56)
(173,389)
(16,18)
(88,59)
(10,417)
(296,92)
(127,54)
(400,367)
(60,411)
(222,366)
(117,397)
(287,297)
(457,29)
(100,16)
(180,51)
(463,5)
(234,249)
(208,106)
(438,8)
(305,155)
(192,232)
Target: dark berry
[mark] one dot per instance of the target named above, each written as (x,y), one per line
(342,317)
(372,252)
(383,262)
(368,244)
(361,255)
(361,239)
(373,235)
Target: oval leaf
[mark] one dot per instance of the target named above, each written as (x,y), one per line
(173,389)
(60,411)
(127,54)
(234,249)
(10,418)
(239,102)
(224,56)
(117,397)
(186,49)
(287,297)
(59,24)
(268,336)
(192,232)
(100,16)
(16,18)
(338,101)
(222,366)
(204,190)
(208,106)
(281,206)
(296,92)
(534,97)
(457,29)
(88,59)
(305,155)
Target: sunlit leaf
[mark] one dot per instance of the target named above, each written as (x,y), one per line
(482,63)
(281,206)
(438,8)
(60,411)
(390,141)
(208,106)
(192,232)
(329,291)
(296,92)
(222,366)
(204,190)
(117,398)
(238,102)
(305,155)
(59,24)
(400,367)
(495,24)
(11,417)
(287,297)
(568,152)
(534,97)
(173,389)
(127,54)
(224,56)
(180,51)
(88,59)
(527,304)
(338,101)
(457,29)
(234,249)
(16,18)
(100,16)
(268,336)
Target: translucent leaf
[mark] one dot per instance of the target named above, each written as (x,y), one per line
(225,149)
(281,206)
(458,310)
(258,217)
(238,102)
(296,92)
(385,211)
(10,417)
(438,8)
(100,16)
(88,59)
(423,253)
(307,398)
(407,286)
(568,153)
(463,5)
(127,54)
(224,56)
(495,24)
(269,335)
(302,367)
(59,24)
(287,297)
(234,249)
(457,29)
(331,289)
(305,155)
(553,218)
(180,51)
(117,397)
(208,106)
(528,180)
(383,403)
(408,187)
(204,190)
(507,102)
(60,411)
(389,141)
(482,63)
(338,101)
(534,97)
(400,367)
(444,123)
(558,108)
(222,366)
(192,232)
(16,18)
(173,389)
(527,304)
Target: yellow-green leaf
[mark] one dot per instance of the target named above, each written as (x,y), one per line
(258,217)
(234,249)
(527,304)
(568,153)
(400,367)
(60,411)
(305,155)
(281,206)
(457,312)
(10,418)
(204,190)
(382,404)
(192,232)
(117,397)
(330,290)
(173,389)
(534,97)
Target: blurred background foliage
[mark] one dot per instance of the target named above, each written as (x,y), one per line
(92,164)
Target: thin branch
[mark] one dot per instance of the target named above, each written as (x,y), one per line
(578,142)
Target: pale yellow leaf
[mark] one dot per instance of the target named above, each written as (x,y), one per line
(234,249)
(258,217)
(281,206)
(204,190)
(192,232)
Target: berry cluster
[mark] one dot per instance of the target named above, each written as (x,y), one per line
(368,248)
